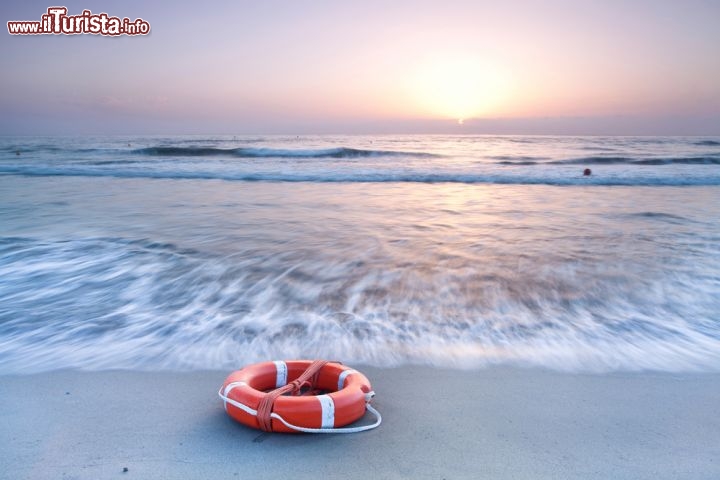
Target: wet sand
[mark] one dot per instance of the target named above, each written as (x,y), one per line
(495,423)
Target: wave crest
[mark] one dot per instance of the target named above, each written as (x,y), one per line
(340,152)
(377,176)
(699,160)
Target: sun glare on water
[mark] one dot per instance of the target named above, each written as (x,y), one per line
(460,89)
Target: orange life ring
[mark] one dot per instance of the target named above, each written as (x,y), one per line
(348,396)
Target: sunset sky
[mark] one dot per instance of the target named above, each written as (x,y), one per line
(234,67)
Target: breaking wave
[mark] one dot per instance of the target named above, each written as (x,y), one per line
(340,152)
(100,303)
(128,170)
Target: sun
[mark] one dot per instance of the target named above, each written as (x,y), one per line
(458,87)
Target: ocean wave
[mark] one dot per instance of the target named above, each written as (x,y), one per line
(517,159)
(699,160)
(593,161)
(597,148)
(517,162)
(366,177)
(660,216)
(708,160)
(49,148)
(99,303)
(340,152)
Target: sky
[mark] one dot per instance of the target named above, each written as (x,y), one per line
(632,67)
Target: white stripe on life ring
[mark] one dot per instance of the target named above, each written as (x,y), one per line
(227,389)
(328,411)
(282,371)
(343,375)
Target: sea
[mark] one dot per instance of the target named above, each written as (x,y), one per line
(211,252)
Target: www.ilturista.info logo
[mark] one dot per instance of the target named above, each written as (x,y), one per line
(57,22)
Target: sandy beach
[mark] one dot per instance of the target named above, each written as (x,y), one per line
(505,214)
(495,423)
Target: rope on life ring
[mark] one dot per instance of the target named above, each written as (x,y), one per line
(281,396)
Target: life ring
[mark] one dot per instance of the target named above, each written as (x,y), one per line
(298,396)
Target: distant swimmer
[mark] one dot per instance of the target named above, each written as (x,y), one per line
(587,172)
(17,152)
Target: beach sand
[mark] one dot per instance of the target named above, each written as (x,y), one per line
(499,422)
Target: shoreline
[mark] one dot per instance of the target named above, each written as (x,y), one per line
(499,422)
